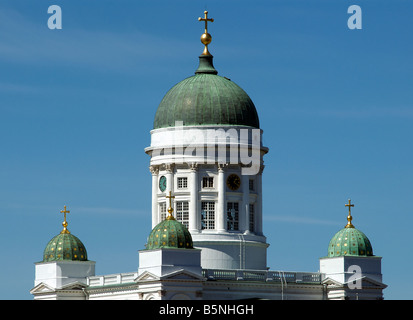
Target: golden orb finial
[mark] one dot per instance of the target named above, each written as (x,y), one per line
(349,217)
(206,38)
(64,223)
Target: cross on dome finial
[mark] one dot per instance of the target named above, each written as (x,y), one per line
(206,20)
(349,217)
(170,210)
(64,224)
(206,38)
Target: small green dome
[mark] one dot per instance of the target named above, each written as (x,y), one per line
(349,242)
(169,233)
(206,99)
(65,246)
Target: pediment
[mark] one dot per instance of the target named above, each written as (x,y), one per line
(42,288)
(146,276)
(182,274)
(178,275)
(332,282)
(73,286)
(45,288)
(366,282)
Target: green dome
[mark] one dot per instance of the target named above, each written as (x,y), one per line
(169,234)
(65,246)
(349,242)
(206,99)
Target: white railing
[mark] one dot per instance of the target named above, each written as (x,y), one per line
(112,279)
(262,275)
(219,274)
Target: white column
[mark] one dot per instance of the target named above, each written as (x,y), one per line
(221,216)
(155,216)
(169,167)
(259,208)
(194,223)
(169,178)
(244,205)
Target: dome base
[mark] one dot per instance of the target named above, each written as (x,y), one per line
(206,65)
(57,274)
(221,252)
(166,260)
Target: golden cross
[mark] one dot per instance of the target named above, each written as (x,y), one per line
(349,205)
(65,211)
(170,210)
(64,222)
(349,217)
(206,20)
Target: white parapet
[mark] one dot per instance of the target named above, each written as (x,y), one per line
(57,274)
(166,260)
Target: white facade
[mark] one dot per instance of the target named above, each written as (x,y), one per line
(230,256)
(65,280)
(352,277)
(160,262)
(349,268)
(229,259)
(196,163)
(225,221)
(60,273)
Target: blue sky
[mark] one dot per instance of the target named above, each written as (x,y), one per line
(77,105)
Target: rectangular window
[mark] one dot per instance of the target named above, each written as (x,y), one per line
(251,185)
(208,215)
(162,210)
(182,183)
(232,216)
(252,217)
(207,182)
(182,212)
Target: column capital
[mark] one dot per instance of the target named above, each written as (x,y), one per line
(222,166)
(154,170)
(194,166)
(169,167)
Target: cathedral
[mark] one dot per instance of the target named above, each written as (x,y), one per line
(207,240)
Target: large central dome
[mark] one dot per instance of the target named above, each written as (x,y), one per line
(206,99)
